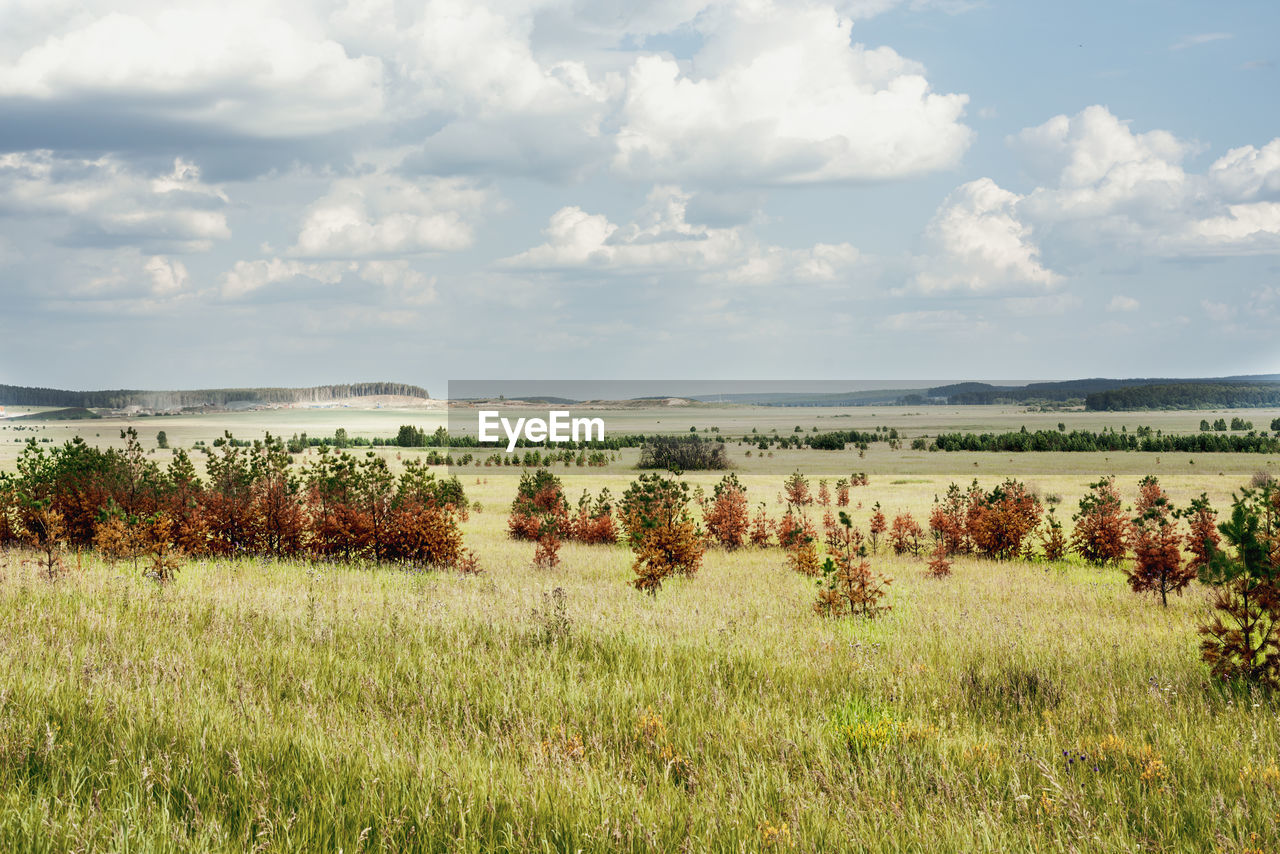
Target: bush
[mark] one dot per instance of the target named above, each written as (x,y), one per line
(726,517)
(999,522)
(797,489)
(1054,541)
(877,527)
(799,541)
(1102,532)
(848,586)
(1157,546)
(1203,538)
(761,528)
(682,453)
(660,530)
(905,535)
(949,521)
(939,565)
(1241,642)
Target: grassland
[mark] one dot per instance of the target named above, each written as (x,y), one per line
(256,705)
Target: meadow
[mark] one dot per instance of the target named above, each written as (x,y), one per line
(276,705)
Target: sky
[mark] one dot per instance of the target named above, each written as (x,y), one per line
(282,192)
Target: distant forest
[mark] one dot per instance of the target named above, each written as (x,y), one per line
(118,399)
(1112,394)
(1186,396)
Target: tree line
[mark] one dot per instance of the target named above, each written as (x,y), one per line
(1186,396)
(11,395)
(1107,440)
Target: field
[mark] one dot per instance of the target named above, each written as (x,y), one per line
(259,705)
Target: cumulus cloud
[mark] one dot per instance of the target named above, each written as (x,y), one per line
(1248,173)
(1120,302)
(778,94)
(383,215)
(245,66)
(662,238)
(1102,188)
(105,201)
(979,245)
(1107,185)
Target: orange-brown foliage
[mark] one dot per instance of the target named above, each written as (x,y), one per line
(939,564)
(906,534)
(1000,522)
(797,489)
(1102,532)
(1157,546)
(726,514)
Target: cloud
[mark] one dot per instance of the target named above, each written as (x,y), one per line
(167,276)
(979,245)
(479,60)
(778,95)
(1103,191)
(1112,187)
(384,215)
(1248,173)
(239,65)
(253,277)
(1119,302)
(1218,312)
(926,321)
(662,239)
(1202,38)
(104,201)
(1093,162)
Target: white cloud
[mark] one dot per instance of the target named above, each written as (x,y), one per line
(397,278)
(479,59)
(242,65)
(1218,312)
(167,276)
(104,200)
(249,276)
(1247,173)
(1120,302)
(926,321)
(1106,185)
(1093,165)
(662,238)
(778,94)
(978,244)
(1199,39)
(1103,191)
(382,215)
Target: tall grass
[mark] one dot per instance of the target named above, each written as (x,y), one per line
(255,705)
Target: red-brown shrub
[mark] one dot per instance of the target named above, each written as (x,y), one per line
(726,514)
(999,522)
(1157,546)
(905,535)
(1102,532)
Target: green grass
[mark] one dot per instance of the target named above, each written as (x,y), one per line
(287,707)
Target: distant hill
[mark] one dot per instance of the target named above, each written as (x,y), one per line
(76,413)
(867,397)
(120,398)
(1104,393)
